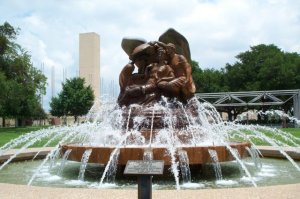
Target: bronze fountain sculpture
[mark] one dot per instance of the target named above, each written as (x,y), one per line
(164,76)
(161,71)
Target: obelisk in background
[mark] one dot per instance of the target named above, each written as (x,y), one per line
(89,60)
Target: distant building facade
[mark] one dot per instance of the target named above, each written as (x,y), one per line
(89,60)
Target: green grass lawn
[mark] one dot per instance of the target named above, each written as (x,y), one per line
(293,131)
(7,134)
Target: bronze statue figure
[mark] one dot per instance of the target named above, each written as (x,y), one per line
(162,71)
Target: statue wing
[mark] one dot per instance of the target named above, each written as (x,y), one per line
(181,43)
(129,44)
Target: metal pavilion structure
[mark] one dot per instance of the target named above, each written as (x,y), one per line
(253,98)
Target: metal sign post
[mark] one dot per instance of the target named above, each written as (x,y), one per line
(144,170)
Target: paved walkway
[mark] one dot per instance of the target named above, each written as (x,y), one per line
(9,191)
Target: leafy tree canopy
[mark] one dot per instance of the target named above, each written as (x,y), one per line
(263,67)
(22,84)
(75,99)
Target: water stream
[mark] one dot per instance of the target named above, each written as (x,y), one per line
(63,161)
(84,161)
(216,164)
(255,157)
(184,166)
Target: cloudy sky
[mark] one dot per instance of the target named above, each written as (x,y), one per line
(217,30)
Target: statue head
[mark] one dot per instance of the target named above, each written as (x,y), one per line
(143,55)
(171,49)
(143,50)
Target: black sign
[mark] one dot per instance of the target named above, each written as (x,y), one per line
(144,167)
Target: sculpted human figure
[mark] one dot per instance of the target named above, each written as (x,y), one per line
(139,88)
(161,71)
(181,85)
(124,79)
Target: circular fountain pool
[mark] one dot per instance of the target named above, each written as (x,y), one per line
(272,172)
(206,140)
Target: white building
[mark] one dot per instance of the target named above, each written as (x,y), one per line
(89,60)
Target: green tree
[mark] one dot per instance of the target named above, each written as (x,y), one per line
(21,83)
(57,107)
(263,67)
(75,99)
(212,81)
(208,80)
(196,74)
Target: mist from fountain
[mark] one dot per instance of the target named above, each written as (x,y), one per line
(279,113)
(104,124)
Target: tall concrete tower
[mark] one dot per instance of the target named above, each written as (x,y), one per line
(89,60)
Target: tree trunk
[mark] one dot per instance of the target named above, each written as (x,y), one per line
(19,122)
(284,119)
(235,113)
(3,121)
(284,123)
(229,114)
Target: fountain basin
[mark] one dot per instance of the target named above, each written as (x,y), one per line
(273,172)
(196,154)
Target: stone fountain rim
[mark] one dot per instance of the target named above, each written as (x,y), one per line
(29,153)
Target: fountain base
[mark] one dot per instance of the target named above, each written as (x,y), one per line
(196,154)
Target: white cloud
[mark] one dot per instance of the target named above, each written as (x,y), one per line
(34,21)
(217,30)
